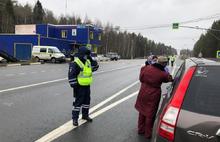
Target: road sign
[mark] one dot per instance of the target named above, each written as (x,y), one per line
(175,25)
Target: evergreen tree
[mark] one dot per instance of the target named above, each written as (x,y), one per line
(49,17)
(63,20)
(7,17)
(78,20)
(127,45)
(38,13)
(208,43)
(23,14)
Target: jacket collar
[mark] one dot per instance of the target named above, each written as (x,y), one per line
(159,66)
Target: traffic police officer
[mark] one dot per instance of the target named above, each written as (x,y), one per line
(172,59)
(80,79)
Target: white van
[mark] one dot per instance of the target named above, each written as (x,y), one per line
(47,53)
(1,59)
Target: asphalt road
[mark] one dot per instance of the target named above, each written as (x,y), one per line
(35,100)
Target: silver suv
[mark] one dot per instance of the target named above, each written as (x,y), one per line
(190,111)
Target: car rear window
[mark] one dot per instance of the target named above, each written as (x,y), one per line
(203,94)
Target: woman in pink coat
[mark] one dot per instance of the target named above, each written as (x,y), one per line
(151,78)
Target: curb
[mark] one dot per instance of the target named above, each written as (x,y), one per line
(21,64)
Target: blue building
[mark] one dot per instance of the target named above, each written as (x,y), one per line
(66,37)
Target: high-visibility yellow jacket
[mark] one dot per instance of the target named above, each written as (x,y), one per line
(172,58)
(85,76)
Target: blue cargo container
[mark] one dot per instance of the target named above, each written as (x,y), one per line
(65,37)
(18,46)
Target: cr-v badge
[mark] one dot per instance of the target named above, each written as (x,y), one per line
(198,134)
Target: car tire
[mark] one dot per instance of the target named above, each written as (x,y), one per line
(53,60)
(37,59)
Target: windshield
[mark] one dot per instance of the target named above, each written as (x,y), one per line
(55,50)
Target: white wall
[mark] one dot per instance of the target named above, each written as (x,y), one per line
(25,29)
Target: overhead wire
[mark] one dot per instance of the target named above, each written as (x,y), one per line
(145,27)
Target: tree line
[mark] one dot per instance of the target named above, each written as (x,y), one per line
(186,53)
(131,45)
(127,45)
(209,42)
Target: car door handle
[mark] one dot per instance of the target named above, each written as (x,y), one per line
(218,133)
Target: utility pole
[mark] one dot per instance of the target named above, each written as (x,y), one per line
(66,8)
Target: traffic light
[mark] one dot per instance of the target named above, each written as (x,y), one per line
(175,25)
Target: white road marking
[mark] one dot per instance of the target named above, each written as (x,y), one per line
(112,97)
(35,63)
(43,71)
(12,65)
(33,72)
(32,85)
(67,127)
(57,80)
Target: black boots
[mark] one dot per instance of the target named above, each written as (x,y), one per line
(87,118)
(75,123)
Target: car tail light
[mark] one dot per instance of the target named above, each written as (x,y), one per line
(170,116)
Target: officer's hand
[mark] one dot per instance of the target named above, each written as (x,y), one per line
(95,68)
(170,78)
(74,85)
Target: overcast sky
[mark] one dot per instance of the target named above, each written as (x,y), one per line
(139,13)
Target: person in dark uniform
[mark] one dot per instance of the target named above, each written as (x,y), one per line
(168,60)
(172,60)
(80,79)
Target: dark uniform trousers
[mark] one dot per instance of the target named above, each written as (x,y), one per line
(82,100)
